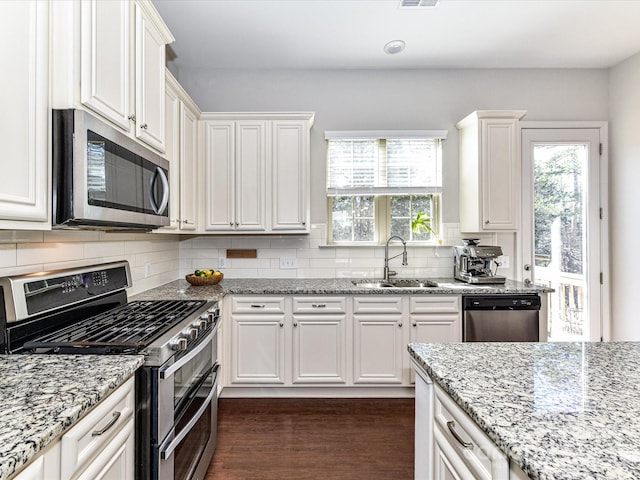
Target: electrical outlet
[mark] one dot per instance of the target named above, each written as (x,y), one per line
(503,260)
(287,263)
(222,262)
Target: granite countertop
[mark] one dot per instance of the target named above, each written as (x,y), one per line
(181,290)
(41,396)
(558,410)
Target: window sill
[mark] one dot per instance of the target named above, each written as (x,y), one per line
(373,245)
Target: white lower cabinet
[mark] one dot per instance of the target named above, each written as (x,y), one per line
(100,446)
(448,444)
(258,340)
(324,340)
(379,345)
(319,340)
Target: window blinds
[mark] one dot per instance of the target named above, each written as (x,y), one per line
(366,163)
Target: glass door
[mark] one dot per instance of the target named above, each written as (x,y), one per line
(561,227)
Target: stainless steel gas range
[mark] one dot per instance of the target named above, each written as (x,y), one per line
(85,311)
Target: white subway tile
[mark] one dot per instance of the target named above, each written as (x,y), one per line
(54,236)
(19,236)
(276,252)
(103,249)
(356,252)
(34,253)
(276,273)
(317,273)
(212,241)
(8,256)
(250,242)
(241,273)
(316,253)
(294,242)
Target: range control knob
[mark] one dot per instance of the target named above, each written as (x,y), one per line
(179,344)
(201,324)
(192,333)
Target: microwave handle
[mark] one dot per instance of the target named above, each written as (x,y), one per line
(165,191)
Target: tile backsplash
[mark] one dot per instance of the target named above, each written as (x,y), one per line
(153,258)
(313,259)
(156,259)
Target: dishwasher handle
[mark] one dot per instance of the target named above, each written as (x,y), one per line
(501,302)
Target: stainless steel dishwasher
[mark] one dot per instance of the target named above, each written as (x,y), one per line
(500,318)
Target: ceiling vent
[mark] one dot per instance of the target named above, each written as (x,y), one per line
(418,3)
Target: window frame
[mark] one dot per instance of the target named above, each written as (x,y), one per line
(382,200)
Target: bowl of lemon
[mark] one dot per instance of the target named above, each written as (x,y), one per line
(207,276)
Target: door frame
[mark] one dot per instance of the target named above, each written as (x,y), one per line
(603,127)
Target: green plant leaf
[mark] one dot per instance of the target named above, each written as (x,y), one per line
(421,222)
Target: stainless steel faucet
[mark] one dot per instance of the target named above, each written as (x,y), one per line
(387,272)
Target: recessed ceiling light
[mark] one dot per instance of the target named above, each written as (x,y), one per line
(394,46)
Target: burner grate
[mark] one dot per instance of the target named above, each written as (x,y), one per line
(125,329)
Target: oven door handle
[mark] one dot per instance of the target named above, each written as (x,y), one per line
(167,450)
(171,369)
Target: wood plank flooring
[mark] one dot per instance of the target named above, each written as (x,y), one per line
(312,439)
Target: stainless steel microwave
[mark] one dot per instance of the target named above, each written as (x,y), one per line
(104,180)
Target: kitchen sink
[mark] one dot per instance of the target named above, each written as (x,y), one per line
(397,283)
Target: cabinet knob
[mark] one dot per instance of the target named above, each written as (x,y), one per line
(304,223)
(231,224)
(132,118)
(400,324)
(295,324)
(414,324)
(144,126)
(187,222)
(237,224)
(486,222)
(282,324)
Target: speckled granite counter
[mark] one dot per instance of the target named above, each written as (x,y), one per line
(181,290)
(558,410)
(41,396)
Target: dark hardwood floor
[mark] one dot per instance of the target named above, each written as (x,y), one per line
(310,439)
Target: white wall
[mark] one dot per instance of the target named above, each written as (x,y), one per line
(153,258)
(624,180)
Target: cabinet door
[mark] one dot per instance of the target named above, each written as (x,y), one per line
(447,463)
(24,125)
(319,349)
(172,153)
(188,163)
(257,349)
(251,169)
(439,328)
(116,461)
(290,175)
(500,158)
(106,59)
(219,158)
(378,348)
(150,81)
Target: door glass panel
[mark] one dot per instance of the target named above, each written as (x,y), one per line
(560,192)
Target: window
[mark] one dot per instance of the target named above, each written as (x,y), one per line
(378,183)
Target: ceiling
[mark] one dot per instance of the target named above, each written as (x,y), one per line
(339,34)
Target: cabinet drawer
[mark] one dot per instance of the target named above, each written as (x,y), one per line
(435,304)
(375,304)
(319,305)
(261,304)
(477,450)
(91,435)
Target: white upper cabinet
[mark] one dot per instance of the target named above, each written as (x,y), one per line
(24,126)
(490,171)
(122,64)
(181,123)
(256,172)
(290,175)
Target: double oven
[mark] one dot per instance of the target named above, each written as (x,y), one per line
(85,311)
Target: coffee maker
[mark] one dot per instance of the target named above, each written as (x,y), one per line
(472,262)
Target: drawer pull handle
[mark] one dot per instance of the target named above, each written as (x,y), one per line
(451,425)
(319,305)
(258,305)
(114,419)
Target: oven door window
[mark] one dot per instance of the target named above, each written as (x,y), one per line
(120,179)
(187,377)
